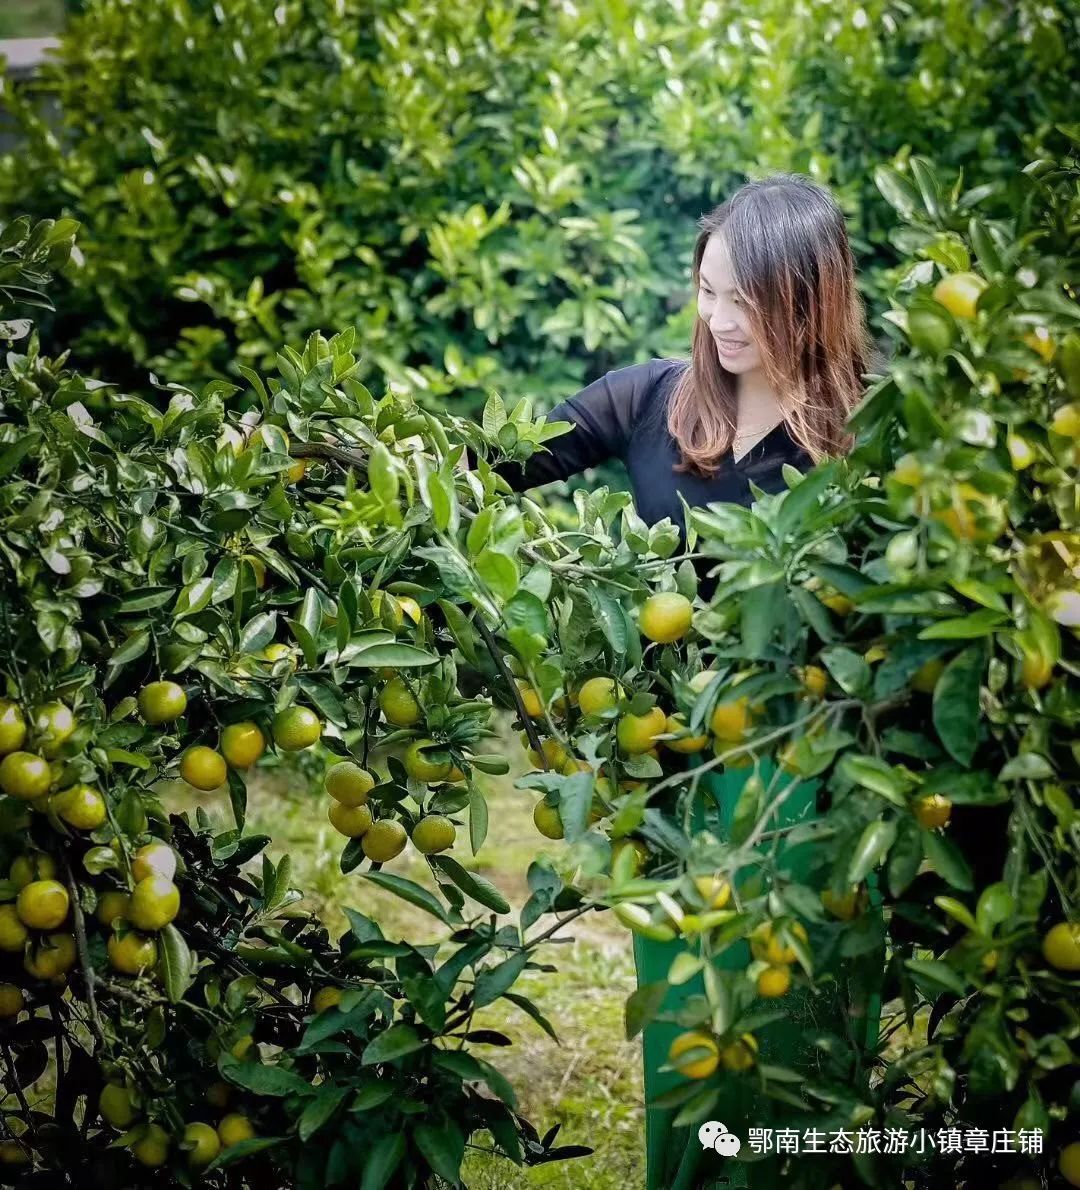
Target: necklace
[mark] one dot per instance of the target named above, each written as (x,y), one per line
(754,430)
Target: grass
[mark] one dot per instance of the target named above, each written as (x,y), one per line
(31,18)
(590,1083)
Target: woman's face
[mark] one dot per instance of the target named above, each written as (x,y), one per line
(720,308)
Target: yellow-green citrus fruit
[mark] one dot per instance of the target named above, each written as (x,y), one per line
(218,1094)
(12,727)
(1036,670)
(202,1142)
(547,821)
(25,775)
(684,742)
(275,651)
(153,859)
(385,840)
(393,608)
(53,956)
(844,906)
(597,695)
(730,720)
(13,1152)
(13,933)
(242,1047)
(1061,946)
(841,604)
(739,1055)
(32,866)
(12,1001)
(433,833)
(234,1128)
(111,905)
(713,890)
(242,744)
(959,293)
(81,807)
(296,728)
(926,676)
(638,733)
(422,767)
(665,617)
(700,1066)
(814,679)
(933,810)
(42,904)
(1041,342)
(296,471)
(155,901)
(203,767)
(967,507)
(399,705)
(326,998)
(351,821)
(162,702)
(1069,1163)
(1066,420)
(152,1148)
(637,848)
(53,723)
(774,981)
(1021,452)
(348,783)
(530,700)
(116,1106)
(132,953)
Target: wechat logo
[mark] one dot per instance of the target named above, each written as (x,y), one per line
(714,1135)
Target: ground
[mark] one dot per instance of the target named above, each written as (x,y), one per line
(31,18)
(591,1083)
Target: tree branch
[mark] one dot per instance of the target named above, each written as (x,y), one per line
(84,954)
(507,677)
(324,450)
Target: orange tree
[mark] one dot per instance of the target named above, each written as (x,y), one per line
(190,588)
(903,628)
(195,583)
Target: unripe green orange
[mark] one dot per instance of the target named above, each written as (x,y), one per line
(155,901)
(161,702)
(348,783)
(433,833)
(132,954)
(42,904)
(666,617)
(385,840)
(25,775)
(204,768)
(296,728)
(242,744)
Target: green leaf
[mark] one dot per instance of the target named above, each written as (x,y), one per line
(258,632)
(871,849)
(935,972)
(478,819)
(492,982)
(383,1158)
(175,963)
(642,1006)
(499,573)
(275,1081)
(244,1148)
(443,1148)
(851,672)
(193,598)
(875,774)
(393,655)
(472,885)
(409,891)
(956,703)
(948,860)
(397,1042)
(327,1100)
(528,1007)
(981,623)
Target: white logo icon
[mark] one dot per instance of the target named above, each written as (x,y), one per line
(714,1135)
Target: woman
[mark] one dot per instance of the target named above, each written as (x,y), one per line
(779,349)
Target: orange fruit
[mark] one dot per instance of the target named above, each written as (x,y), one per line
(116,1106)
(111,905)
(52,957)
(774,981)
(242,744)
(25,775)
(12,727)
(530,700)
(423,767)
(597,695)
(154,859)
(155,901)
(703,1063)
(1061,946)
(234,1128)
(665,617)
(161,702)
(132,954)
(351,821)
(204,768)
(385,840)
(12,1001)
(730,720)
(741,1054)
(52,724)
(201,1141)
(399,705)
(42,904)
(433,833)
(1066,420)
(637,733)
(348,783)
(152,1148)
(547,821)
(684,742)
(714,891)
(81,807)
(32,866)
(326,998)
(296,728)
(932,811)
(959,293)
(13,932)
(926,676)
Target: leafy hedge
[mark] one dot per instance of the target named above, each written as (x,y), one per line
(495,197)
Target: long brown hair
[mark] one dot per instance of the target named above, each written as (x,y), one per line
(795,273)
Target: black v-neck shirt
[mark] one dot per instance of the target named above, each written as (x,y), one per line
(623,415)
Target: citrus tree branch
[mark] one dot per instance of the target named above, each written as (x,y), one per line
(79,924)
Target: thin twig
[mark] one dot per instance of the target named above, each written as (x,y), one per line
(10,1063)
(324,450)
(84,954)
(507,677)
(582,909)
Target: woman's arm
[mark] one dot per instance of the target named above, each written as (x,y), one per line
(602,415)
